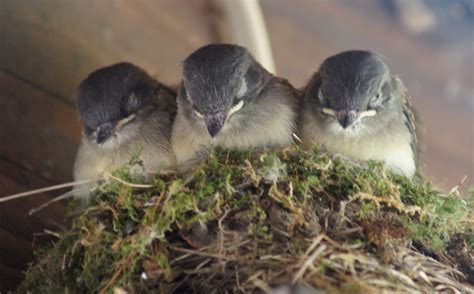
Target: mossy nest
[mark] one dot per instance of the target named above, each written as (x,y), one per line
(252,221)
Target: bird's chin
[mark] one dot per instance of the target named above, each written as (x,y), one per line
(354,130)
(231,123)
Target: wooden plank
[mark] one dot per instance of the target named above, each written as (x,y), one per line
(54,44)
(17,228)
(10,278)
(38,132)
(39,137)
(14,215)
(15,252)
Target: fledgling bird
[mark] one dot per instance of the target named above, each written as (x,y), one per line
(125,113)
(228,99)
(353,106)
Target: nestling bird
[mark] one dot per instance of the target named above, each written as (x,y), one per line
(228,99)
(353,106)
(124,112)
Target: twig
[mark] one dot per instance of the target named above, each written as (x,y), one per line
(221,230)
(313,245)
(114,277)
(298,139)
(309,262)
(109,175)
(60,197)
(195,252)
(259,283)
(49,232)
(262,285)
(50,188)
(456,188)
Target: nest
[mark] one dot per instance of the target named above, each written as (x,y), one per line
(253,222)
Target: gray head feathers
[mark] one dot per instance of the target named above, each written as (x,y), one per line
(112,93)
(350,79)
(354,88)
(218,80)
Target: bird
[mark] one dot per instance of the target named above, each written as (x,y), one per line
(227,99)
(125,113)
(355,107)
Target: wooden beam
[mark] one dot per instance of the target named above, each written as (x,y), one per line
(10,278)
(55,44)
(39,132)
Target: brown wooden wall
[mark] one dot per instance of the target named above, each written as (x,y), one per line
(47,47)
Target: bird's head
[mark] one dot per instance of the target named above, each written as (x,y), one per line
(219,82)
(113,102)
(354,92)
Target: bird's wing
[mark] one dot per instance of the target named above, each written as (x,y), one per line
(167,97)
(409,117)
(296,94)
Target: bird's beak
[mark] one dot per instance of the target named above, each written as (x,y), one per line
(215,122)
(347,118)
(104,132)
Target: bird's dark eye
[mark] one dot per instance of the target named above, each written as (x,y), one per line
(132,103)
(320,96)
(242,89)
(377,97)
(88,131)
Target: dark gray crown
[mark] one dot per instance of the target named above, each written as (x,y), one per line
(112,93)
(213,73)
(350,78)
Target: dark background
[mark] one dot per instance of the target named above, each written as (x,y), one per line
(47,47)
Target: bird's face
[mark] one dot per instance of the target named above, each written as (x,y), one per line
(219,82)
(112,130)
(113,102)
(355,92)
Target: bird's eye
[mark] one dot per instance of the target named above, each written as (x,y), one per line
(377,97)
(132,103)
(88,130)
(320,96)
(188,96)
(242,89)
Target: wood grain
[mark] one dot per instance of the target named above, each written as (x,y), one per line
(10,277)
(59,42)
(39,132)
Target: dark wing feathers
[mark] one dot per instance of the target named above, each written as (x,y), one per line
(410,118)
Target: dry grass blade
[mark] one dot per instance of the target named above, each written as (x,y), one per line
(132,185)
(455,189)
(309,261)
(200,253)
(46,189)
(55,199)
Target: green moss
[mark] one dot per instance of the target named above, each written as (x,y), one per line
(248,205)
(441,216)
